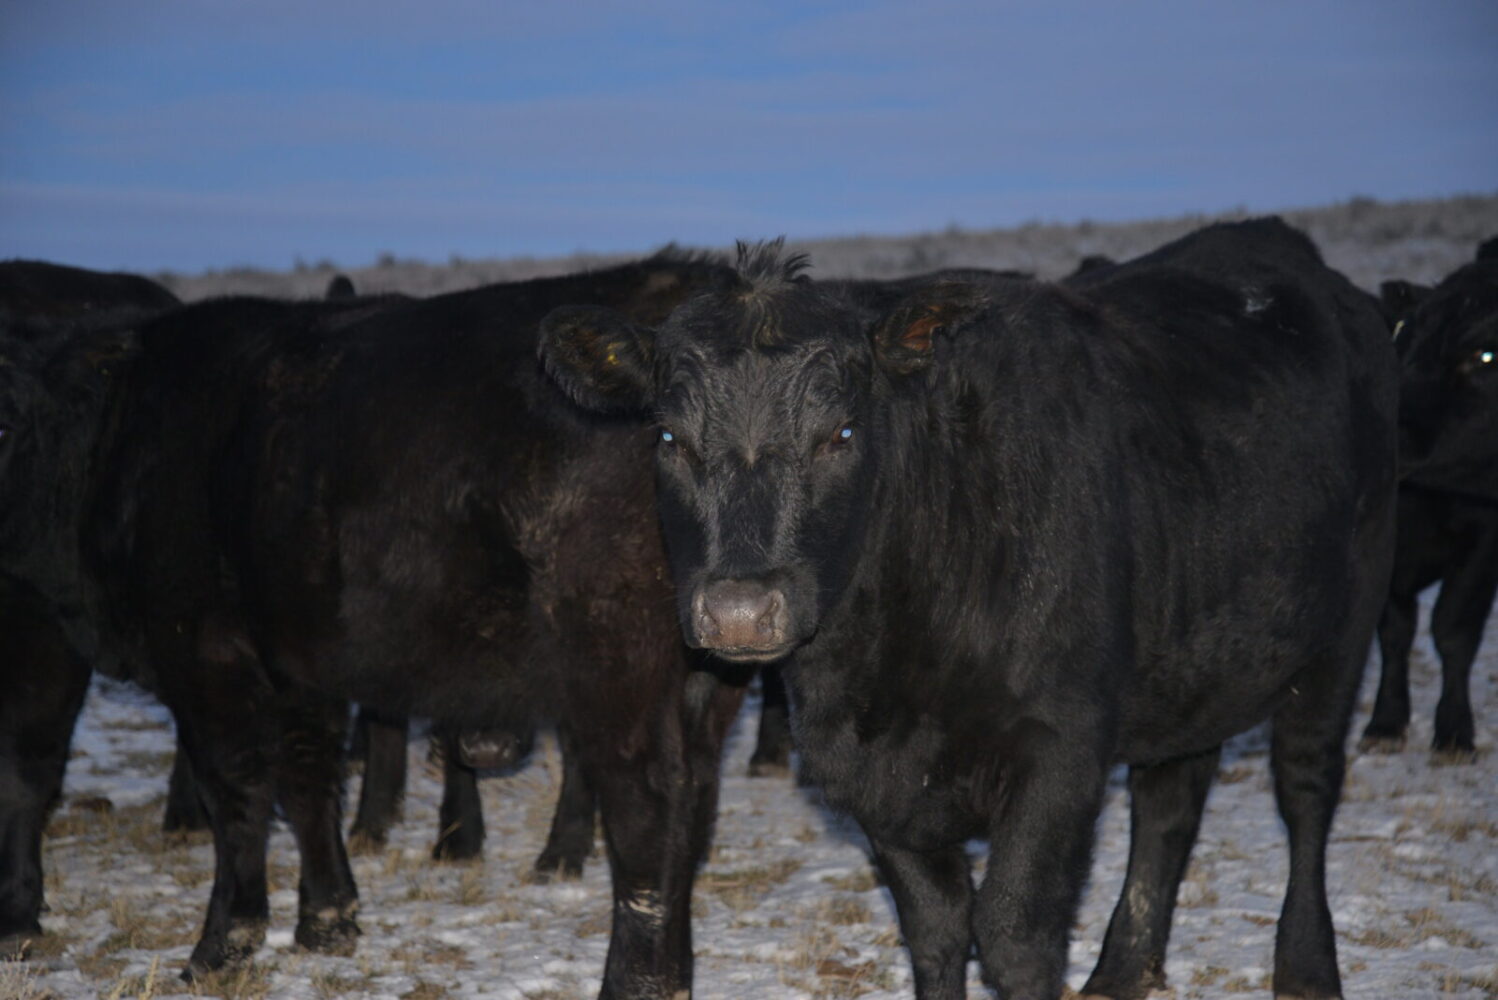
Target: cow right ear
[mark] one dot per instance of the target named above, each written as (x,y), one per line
(599,358)
(904,340)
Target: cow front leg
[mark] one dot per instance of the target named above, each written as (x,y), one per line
(933,899)
(1165,811)
(1456,626)
(657,811)
(1040,844)
(1391,708)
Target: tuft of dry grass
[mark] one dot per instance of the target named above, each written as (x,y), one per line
(744,888)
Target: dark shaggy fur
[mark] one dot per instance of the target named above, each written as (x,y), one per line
(64,335)
(1016,532)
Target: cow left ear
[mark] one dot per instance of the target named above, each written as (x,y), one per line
(599,358)
(904,340)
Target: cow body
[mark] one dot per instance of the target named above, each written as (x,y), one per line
(63,331)
(289,506)
(1447,340)
(1021,532)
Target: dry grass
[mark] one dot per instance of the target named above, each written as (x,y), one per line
(744,888)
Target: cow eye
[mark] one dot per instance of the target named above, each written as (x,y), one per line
(667,437)
(1485,360)
(840,437)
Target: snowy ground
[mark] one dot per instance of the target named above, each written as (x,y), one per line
(787,906)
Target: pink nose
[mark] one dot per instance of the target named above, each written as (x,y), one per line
(740,615)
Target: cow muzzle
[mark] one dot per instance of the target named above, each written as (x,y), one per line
(742,620)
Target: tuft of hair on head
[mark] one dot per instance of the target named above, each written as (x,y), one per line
(765,263)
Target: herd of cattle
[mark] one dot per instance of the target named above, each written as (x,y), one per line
(994,534)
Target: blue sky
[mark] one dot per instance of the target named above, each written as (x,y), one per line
(187,134)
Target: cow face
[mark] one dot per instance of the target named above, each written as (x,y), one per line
(769,397)
(1448,346)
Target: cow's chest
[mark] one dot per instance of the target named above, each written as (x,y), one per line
(900,773)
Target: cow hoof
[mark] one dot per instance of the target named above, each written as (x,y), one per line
(551,867)
(330,931)
(236,948)
(362,841)
(457,849)
(769,768)
(1380,744)
(1453,756)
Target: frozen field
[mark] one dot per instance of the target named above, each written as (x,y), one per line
(787,905)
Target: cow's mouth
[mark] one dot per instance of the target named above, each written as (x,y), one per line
(753,654)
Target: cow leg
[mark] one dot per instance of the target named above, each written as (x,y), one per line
(1456,625)
(571,838)
(384,785)
(1391,709)
(657,817)
(1039,848)
(460,819)
(933,897)
(184,806)
(233,779)
(309,786)
(1306,758)
(44,683)
(1165,811)
(772,749)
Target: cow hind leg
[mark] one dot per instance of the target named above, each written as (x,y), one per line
(184,805)
(44,683)
(1385,731)
(233,781)
(772,748)
(309,786)
(460,819)
(1307,761)
(1165,803)
(571,838)
(382,740)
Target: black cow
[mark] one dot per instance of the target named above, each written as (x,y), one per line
(1018,532)
(300,506)
(63,332)
(1447,339)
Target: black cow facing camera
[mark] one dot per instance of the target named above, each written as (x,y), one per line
(1447,340)
(1016,532)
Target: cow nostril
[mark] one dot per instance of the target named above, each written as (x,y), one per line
(738,614)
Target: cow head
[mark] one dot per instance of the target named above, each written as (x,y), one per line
(1447,339)
(769,398)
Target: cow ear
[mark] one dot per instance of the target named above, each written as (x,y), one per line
(599,358)
(904,340)
(1401,297)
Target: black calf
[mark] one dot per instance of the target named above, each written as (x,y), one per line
(1017,532)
